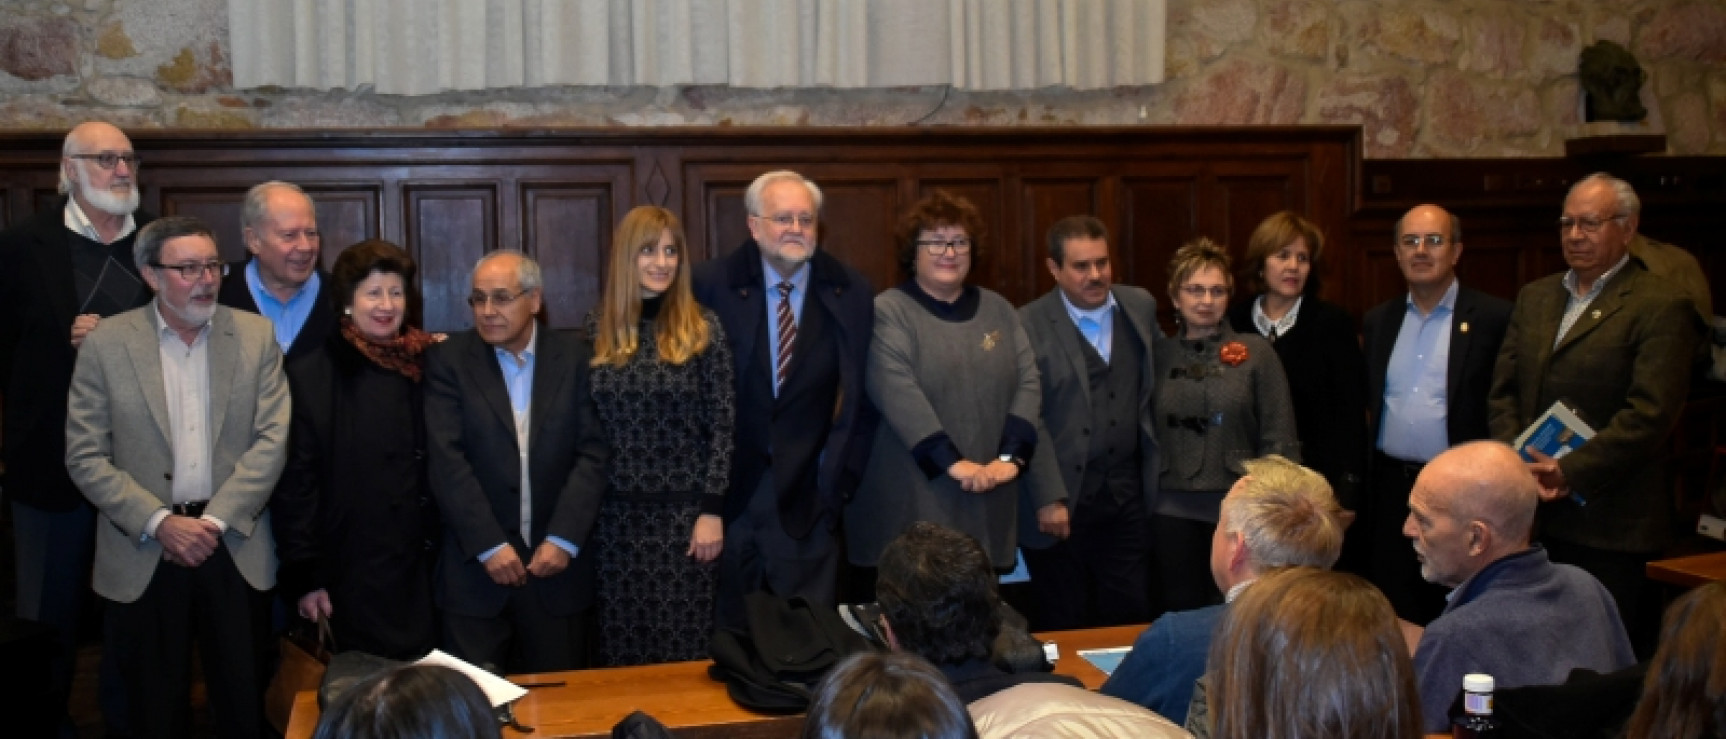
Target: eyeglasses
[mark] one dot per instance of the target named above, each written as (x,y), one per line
(499,298)
(1412,242)
(1199,291)
(786,220)
(936,247)
(108,160)
(192,271)
(1588,225)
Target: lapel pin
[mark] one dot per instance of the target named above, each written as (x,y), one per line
(990,340)
(1596,314)
(1464,327)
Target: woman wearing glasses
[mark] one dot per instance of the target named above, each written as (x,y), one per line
(956,382)
(352,513)
(662,382)
(1319,347)
(1221,400)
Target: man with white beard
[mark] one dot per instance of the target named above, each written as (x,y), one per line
(61,272)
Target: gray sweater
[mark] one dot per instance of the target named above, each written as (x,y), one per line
(961,377)
(1211,416)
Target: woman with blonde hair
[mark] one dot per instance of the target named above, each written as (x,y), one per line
(662,382)
(1307,653)
(1221,400)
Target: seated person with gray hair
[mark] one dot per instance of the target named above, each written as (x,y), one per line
(1514,614)
(936,589)
(1279,514)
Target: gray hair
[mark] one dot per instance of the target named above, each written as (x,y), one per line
(752,196)
(255,208)
(1286,514)
(1628,203)
(527,272)
(147,250)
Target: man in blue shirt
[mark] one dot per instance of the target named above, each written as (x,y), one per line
(1430,357)
(517,464)
(1279,514)
(283,281)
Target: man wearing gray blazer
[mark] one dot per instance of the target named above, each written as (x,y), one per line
(1093,345)
(176,431)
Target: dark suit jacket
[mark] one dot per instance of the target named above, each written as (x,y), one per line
(1067,388)
(732,287)
(319,325)
(475,468)
(1625,365)
(37,305)
(1326,373)
(1468,378)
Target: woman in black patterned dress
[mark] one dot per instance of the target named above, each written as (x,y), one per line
(662,381)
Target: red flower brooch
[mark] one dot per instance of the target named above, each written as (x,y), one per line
(1233,353)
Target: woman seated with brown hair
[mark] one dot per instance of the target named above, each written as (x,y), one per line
(1310,653)
(875,695)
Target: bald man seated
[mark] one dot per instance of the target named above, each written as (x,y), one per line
(1512,613)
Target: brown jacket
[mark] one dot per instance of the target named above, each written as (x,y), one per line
(1625,365)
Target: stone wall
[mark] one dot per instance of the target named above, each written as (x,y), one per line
(1426,78)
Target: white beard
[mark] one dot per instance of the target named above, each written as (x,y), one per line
(192,314)
(108,202)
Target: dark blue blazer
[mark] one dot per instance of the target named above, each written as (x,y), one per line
(732,287)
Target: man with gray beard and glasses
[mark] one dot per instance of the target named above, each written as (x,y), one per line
(62,271)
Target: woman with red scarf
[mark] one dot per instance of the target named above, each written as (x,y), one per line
(352,513)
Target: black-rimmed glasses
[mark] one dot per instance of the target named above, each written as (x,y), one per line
(191,271)
(109,160)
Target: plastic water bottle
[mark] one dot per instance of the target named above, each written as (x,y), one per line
(1476,721)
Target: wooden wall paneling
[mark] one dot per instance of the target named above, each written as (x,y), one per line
(1042,202)
(218,206)
(857,225)
(1160,212)
(567,227)
(348,213)
(449,226)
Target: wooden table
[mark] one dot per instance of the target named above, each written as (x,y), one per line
(681,696)
(1689,572)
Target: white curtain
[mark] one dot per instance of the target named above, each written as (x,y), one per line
(416,47)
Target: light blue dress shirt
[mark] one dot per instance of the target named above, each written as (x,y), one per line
(518,382)
(1097,325)
(799,291)
(1416,383)
(289,316)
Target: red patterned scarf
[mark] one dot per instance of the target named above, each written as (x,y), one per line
(402,354)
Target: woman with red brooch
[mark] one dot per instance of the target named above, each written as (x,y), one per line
(1222,399)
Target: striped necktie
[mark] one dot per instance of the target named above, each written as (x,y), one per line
(787,334)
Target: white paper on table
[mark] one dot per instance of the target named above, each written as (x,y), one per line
(497,690)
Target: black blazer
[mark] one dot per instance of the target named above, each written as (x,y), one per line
(475,467)
(1326,374)
(38,302)
(732,287)
(319,325)
(1476,331)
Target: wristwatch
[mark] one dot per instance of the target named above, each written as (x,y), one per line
(1013,460)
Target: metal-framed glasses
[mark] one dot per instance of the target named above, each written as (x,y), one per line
(936,247)
(499,298)
(109,160)
(1588,225)
(786,220)
(1198,291)
(191,271)
(1412,242)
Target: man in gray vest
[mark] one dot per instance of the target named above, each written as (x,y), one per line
(1093,343)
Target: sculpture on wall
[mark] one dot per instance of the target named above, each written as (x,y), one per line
(1612,79)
